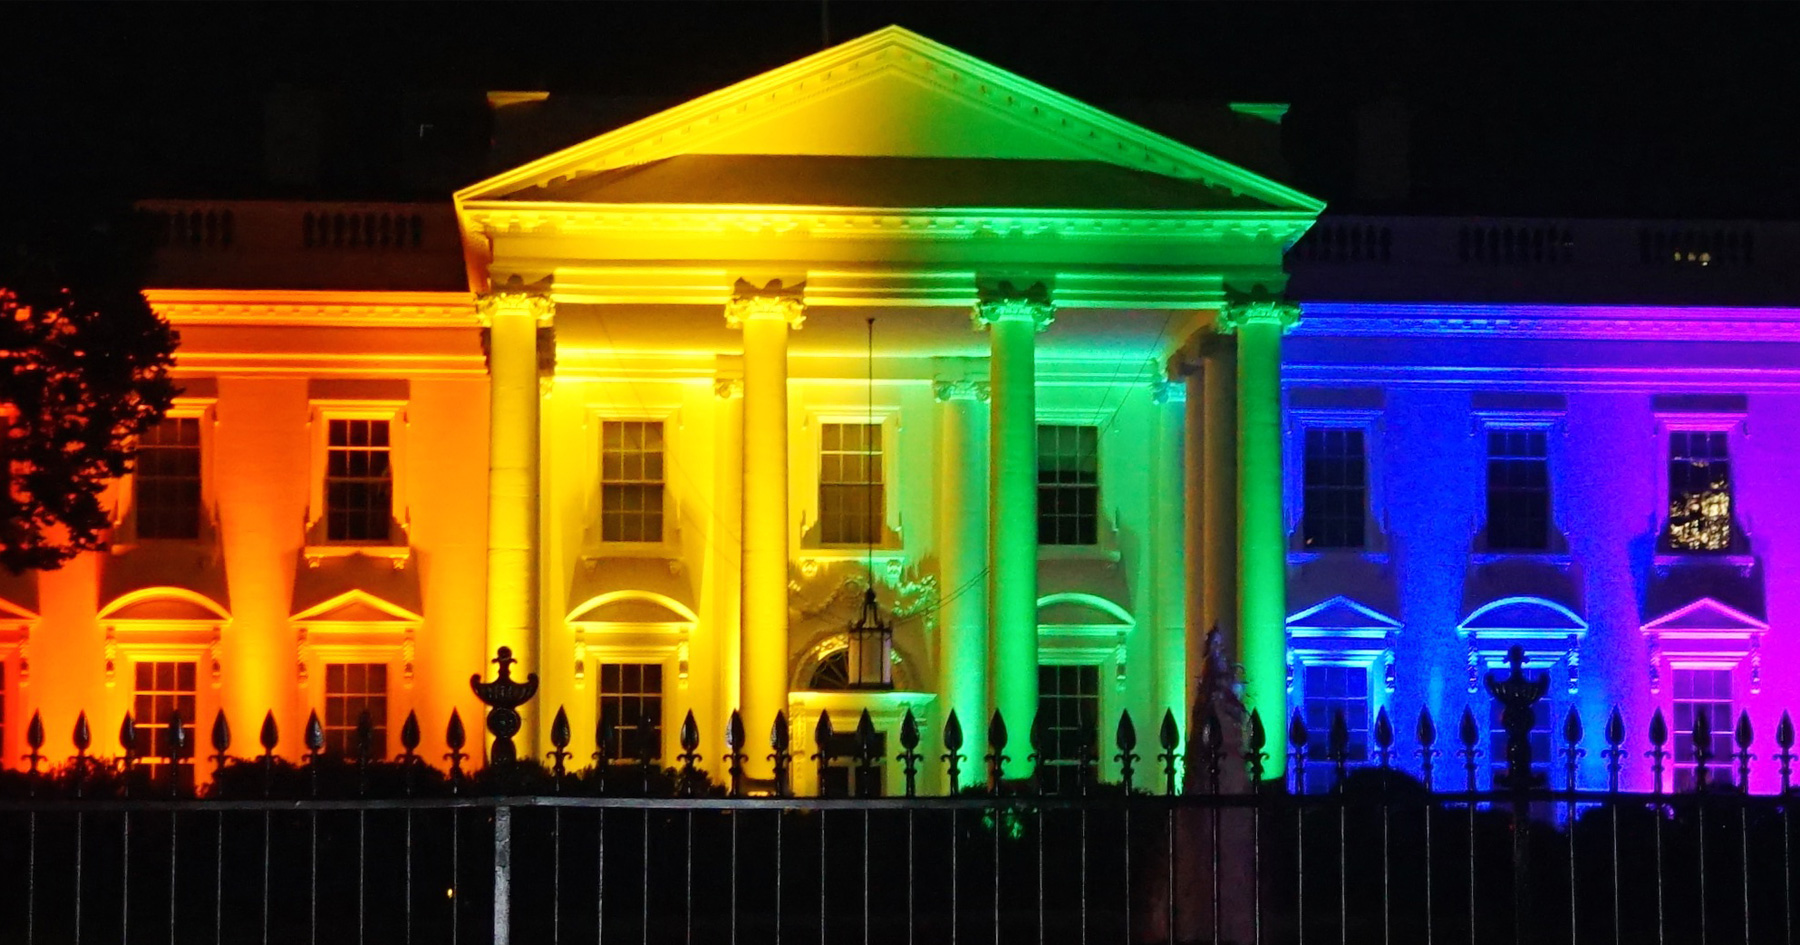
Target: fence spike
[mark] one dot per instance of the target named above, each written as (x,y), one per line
(409,733)
(822,738)
(1254,752)
(866,755)
(269,736)
(1169,735)
(1297,733)
(1384,737)
(1469,735)
(221,744)
(909,753)
(178,738)
(735,757)
(455,737)
(1039,737)
(996,756)
(781,742)
(83,736)
(128,737)
(1659,737)
(953,756)
(1613,753)
(34,737)
(1572,750)
(561,735)
(315,734)
(1571,731)
(1615,728)
(1426,733)
(689,756)
(690,733)
(1126,738)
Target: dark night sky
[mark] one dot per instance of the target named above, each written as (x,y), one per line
(1598,109)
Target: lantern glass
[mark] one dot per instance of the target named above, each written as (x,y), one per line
(871,648)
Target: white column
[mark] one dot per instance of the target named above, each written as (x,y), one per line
(765,316)
(1013,321)
(513,318)
(962,541)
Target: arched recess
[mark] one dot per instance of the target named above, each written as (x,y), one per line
(632,626)
(1080,628)
(166,643)
(1548,633)
(823,666)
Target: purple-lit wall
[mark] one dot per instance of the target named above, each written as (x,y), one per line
(1609,382)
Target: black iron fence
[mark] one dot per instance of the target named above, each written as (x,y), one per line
(1190,845)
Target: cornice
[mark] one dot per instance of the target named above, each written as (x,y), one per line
(514,218)
(1009,97)
(1552,322)
(312,309)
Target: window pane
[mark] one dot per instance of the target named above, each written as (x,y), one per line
(1327,691)
(631,480)
(1333,488)
(350,690)
(358,482)
(1068,719)
(851,499)
(1518,490)
(1699,491)
(1068,485)
(631,709)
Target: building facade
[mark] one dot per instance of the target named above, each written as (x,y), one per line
(660,410)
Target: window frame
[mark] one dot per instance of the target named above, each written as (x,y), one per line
(879,520)
(600,484)
(125,514)
(665,693)
(1103,528)
(1554,430)
(400,517)
(1369,420)
(1721,769)
(1732,425)
(594,417)
(384,725)
(1373,696)
(803,491)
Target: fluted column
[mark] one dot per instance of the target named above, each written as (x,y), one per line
(513,318)
(766,316)
(1262,535)
(1013,321)
(962,542)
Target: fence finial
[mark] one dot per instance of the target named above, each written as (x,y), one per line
(503,697)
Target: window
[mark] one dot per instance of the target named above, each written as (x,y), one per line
(1068,485)
(1702,692)
(631,708)
(166,484)
(162,688)
(851,497)
(1327,691)
(1069,717)
(1335,487)
(350,690)
(631,480)
(1699,490)
(1518,490)
(359,481)
(1542,739)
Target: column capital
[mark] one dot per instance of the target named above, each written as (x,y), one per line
(960,390)
(726,388)
(1004,303)
(517,297)
(1258,310)
(772,301)
(1165,391)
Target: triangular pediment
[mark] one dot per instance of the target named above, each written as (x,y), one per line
(11,612)
(1706,615)
(928,111)
(356,606)
(1342,614)
(1523,615)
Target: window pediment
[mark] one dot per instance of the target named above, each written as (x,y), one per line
(356,607)
(632,607)
(1071,611)
(1340,616)
(164,605)
(1525,618)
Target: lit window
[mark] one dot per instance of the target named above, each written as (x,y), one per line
(631,480)
(1326,691)
(162,688)
(350,690)
(1699,490)
(359,481)
(1068,485)
(1702,692)
(851,495)
(1335,488)
(1518,490)
(166,483)
(631,708)
(1069,720)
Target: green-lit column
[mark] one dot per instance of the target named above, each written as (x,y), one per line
(1262,535)
(962,543)
(1013,321)
(512,317)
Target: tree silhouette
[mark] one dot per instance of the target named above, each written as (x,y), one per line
(84,365)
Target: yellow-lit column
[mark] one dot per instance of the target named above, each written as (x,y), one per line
(1262,533)
(1013,322)
(765,317)
(962,529)
(513,318)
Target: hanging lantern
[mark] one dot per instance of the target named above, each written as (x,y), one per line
(870,662)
